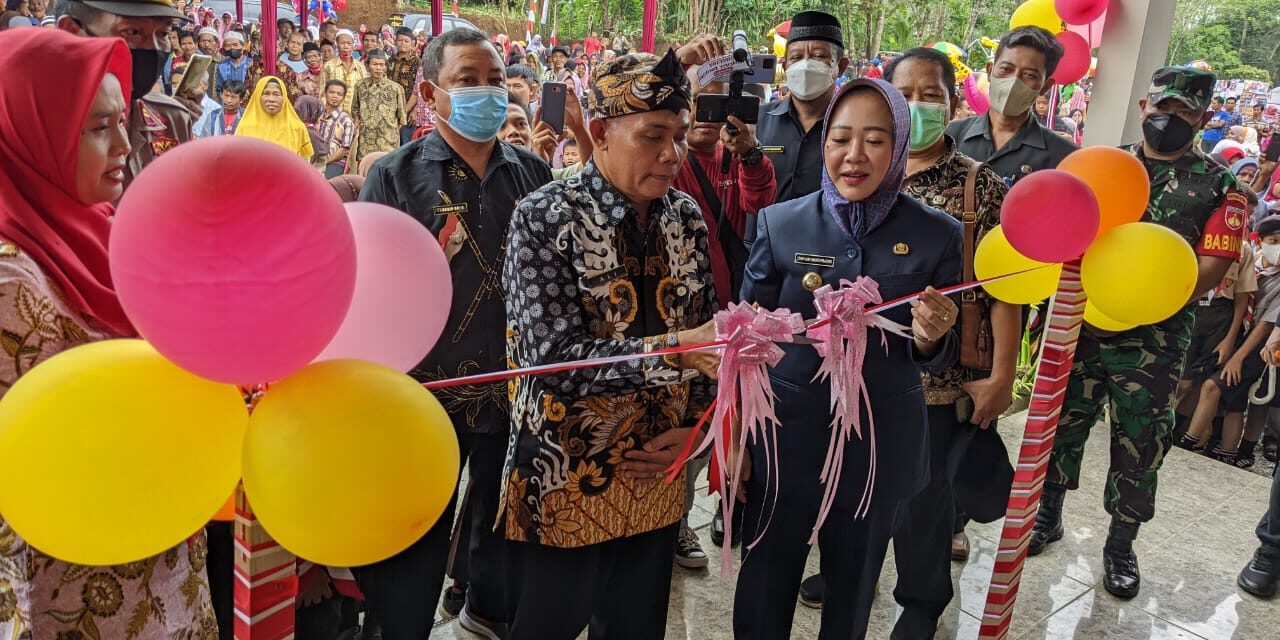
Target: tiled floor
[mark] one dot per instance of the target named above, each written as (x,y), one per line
(1190,554)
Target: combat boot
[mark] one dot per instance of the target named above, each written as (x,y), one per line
(1048,527)
(1119,562)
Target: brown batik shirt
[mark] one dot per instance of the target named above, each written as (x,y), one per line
(942,187)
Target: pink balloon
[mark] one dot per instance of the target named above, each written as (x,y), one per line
(234,258)
(1076,58)
(1050,216)
(1092,31)
(403,290)
(977,99)
(1080,11)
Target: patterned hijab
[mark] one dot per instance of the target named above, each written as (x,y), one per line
(861,217)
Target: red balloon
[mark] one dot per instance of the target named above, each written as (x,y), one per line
(340,5)
(1050,216)
(1076,58)
(1080,11)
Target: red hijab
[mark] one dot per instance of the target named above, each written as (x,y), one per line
(50,80)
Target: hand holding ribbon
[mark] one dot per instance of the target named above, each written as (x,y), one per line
(841,332)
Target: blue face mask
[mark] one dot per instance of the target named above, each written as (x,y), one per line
(477,113)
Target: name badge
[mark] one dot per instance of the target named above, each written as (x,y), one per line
(607,276)
(773,151)
(814,260)
(446,209)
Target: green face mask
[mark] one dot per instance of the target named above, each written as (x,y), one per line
(928,123)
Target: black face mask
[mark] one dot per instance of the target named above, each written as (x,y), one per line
(235,53)
(146,69)
(1167,133)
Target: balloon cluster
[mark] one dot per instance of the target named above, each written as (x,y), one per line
(260,278)
(1134,273)
(1077,24)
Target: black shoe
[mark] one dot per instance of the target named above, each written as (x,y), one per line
(1259,577)
(812,590)
(1244,457)
(452,601)
(1048,527)
(1187,442)
(717,524)
(1119,563)
(1225,457)
(487,629)
(914,625)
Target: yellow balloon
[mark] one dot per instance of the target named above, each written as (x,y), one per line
(996,257)
(1139,273)
(1100,320)
(1039,13)
(310,429)
(114,454)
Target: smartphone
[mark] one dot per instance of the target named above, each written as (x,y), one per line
(712,107)
(553,96)
(197,71)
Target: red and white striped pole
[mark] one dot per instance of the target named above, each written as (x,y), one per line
(1062,332)
(266,580)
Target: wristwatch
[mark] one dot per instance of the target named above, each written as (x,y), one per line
(752,157)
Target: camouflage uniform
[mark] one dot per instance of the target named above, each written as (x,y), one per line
(1138,370)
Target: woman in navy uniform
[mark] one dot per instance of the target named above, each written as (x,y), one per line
(857,225)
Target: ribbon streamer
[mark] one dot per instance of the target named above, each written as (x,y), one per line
(751,338)
(842,343)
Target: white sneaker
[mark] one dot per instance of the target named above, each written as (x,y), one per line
(689,553)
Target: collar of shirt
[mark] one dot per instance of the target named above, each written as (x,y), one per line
(616,206)
(937,167)
(1030,134)
(435,149)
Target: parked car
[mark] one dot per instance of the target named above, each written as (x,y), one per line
(421,23)
(252,9)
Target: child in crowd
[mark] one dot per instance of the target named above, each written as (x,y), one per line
(223,120)
(569,155)
(1231,384)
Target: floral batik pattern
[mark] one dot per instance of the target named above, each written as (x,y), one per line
(162,597)
(588,279)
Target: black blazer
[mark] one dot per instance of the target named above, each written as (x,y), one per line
(916,246)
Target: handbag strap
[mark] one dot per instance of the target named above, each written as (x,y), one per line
(970,219)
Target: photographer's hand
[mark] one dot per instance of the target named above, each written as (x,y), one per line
(702,49)
(743,142)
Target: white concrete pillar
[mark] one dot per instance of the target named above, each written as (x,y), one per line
(1135,43)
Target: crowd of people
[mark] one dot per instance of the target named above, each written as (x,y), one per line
(615,223)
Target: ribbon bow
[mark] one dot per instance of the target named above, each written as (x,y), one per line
(750,336)
(841,332)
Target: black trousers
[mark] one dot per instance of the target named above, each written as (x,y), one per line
(477,555)
(220,568)
(618,589)
(402,591)
(922,544)
(852,553)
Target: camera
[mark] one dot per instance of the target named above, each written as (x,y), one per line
(712,107)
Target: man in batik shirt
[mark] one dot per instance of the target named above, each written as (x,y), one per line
(611,262)
(378,109)
(403,69)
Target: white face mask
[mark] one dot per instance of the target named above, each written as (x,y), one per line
(1272,253)
(810,78)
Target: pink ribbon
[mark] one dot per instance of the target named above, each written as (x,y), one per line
(751,336)
(841,332)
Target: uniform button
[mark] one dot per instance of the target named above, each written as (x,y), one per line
(852,253)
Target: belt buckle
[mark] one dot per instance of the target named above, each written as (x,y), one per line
(969,296)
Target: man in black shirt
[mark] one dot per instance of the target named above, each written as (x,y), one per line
(790,129)
(1007,138)
(459,178)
